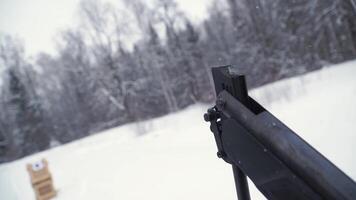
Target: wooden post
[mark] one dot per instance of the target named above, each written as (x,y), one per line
(41,180)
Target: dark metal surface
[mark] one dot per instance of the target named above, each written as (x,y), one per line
(302,159)
(268,173)
(280,163)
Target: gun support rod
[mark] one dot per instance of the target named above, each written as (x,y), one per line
(241,184)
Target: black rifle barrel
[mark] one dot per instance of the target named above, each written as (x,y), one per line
(322,175)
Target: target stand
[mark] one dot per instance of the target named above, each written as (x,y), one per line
(41,180)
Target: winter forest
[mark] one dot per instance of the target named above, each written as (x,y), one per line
(147,59)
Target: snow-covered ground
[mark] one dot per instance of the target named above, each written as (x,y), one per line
(176,159)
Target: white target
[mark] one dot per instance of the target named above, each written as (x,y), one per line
(37,166)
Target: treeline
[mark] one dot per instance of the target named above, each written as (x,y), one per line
(97,79)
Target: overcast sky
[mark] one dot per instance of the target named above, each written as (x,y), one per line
(38,21)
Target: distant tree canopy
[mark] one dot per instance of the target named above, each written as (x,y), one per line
(96,80)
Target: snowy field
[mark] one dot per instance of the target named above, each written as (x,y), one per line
(176,159)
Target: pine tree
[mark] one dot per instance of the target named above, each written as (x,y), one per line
(29,134)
